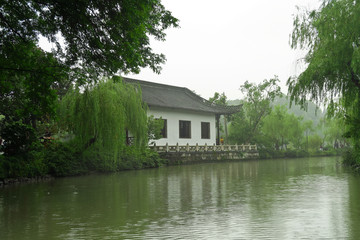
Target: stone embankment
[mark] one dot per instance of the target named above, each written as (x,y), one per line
(13,181)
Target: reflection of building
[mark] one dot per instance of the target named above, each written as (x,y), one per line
(188,118)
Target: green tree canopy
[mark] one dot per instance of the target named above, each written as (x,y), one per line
(30,93)
(331,37)
(282,128)
(256,107)
(218,98)
(100,37)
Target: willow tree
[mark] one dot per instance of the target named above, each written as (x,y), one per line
(99,117)
(331,37)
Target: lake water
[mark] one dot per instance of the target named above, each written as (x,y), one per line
(311,198)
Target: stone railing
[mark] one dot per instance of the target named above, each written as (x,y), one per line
(204,148)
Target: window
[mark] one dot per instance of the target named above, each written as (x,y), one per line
(164,129)
(184,129)
(205,130)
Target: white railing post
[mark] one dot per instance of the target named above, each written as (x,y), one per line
(206,147)
(167,147)
(197,147)
(187,147)
(177,147)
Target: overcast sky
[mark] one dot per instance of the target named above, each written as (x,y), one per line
(221,44)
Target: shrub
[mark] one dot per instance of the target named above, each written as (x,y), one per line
(18,137)
(63,159)
(135,158)
(352,159)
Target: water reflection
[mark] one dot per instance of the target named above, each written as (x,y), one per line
(278,199)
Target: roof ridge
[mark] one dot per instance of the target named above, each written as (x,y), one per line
(153,83)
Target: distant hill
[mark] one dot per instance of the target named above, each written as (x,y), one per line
(233,102)
(313,112)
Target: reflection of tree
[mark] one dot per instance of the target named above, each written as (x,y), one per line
(354,210)
(186,183)
(133,204)
(207,192)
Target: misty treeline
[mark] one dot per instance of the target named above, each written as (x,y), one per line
(268,120)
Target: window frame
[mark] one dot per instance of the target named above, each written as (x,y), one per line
(186,134)
(206,134)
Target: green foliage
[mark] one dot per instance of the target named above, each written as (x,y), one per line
(31,164)
(282,128)
(18,137)
(64,159)
(154,127)
(331,36)
(334,131)
(26,80)
(100,37)
(27,94)
(275,126)
(219,99)
(135,159)
(352,159)
(315,142)
(239,128)
(100,116)
(256,107)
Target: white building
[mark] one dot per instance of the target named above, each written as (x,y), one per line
(188,118)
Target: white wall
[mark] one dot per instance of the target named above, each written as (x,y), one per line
(173,117)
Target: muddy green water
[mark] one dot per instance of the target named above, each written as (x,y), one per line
(312,198)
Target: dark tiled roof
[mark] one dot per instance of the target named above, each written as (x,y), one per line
(167,96)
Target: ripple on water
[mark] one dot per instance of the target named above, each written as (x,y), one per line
(275,199)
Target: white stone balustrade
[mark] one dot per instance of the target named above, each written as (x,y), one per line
(204,148)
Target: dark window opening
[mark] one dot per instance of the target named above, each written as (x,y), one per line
(184,129)
(205,130)
(164,129)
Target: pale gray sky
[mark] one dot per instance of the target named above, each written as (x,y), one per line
(221,44)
